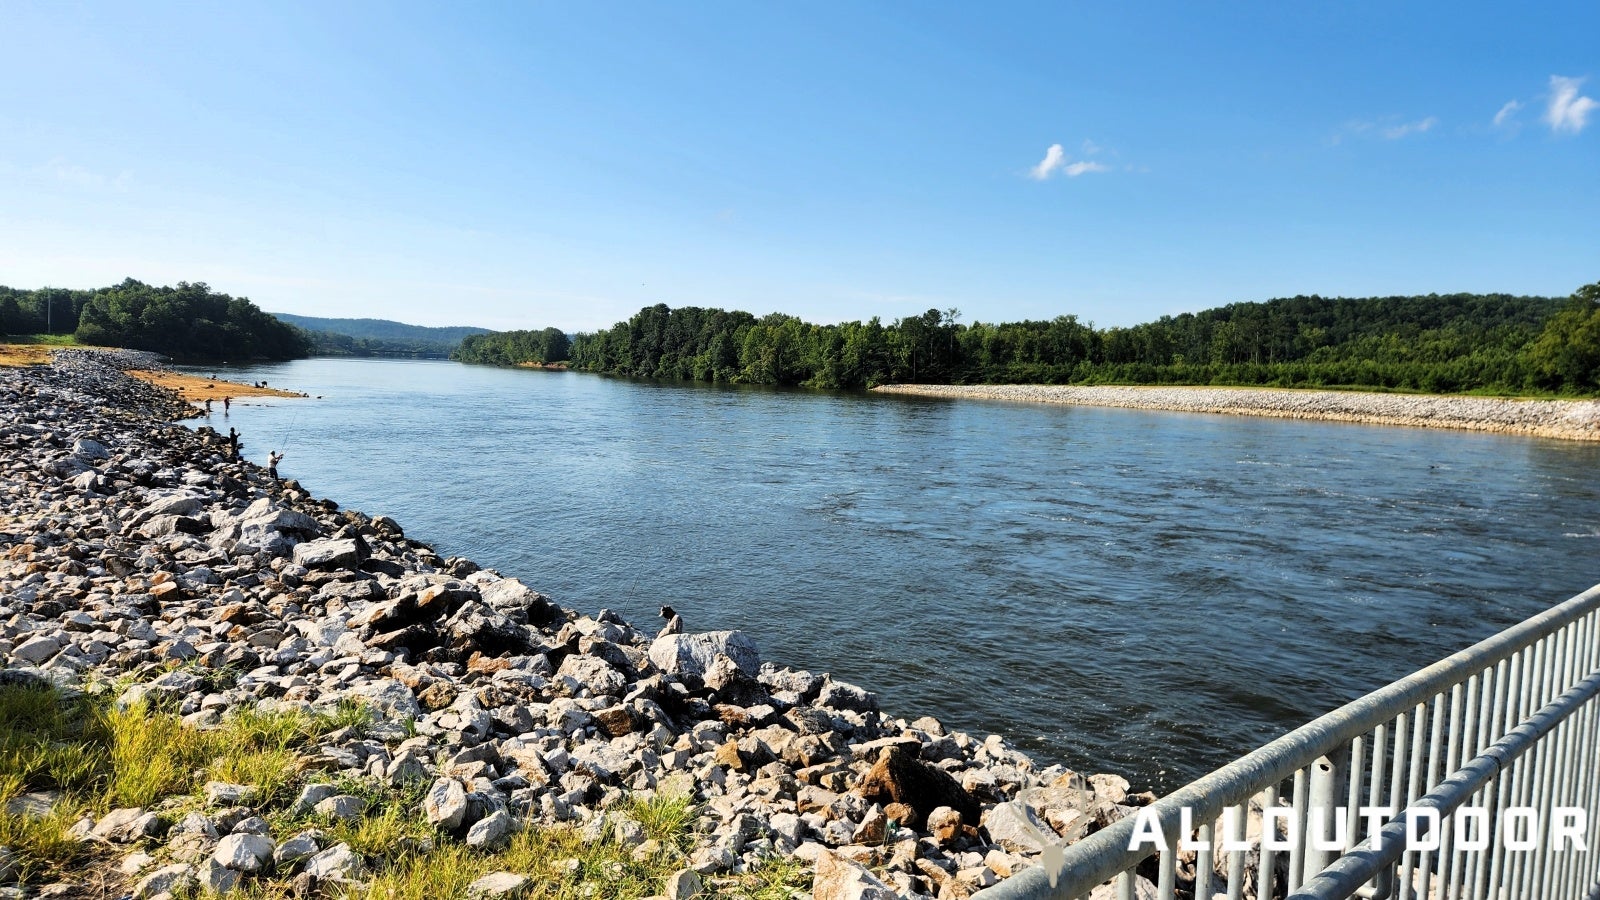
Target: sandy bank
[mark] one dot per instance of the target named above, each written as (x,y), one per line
(1577,420)
(196,389)
(24,354)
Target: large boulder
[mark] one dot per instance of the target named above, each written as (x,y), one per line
(694,654)
(391,698)
(1014,826)
(328,553)
(508,595)
(265,526)
(594,673)
(899,777)
(838,878)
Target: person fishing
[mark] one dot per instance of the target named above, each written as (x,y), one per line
(208,407)
(273,459)
(233,443)
(226,402)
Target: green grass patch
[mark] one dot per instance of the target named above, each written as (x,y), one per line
(51,340)
(99,757)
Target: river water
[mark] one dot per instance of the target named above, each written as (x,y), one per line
(1149,593)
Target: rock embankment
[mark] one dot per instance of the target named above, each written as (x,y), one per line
(1577,420)
(136,551)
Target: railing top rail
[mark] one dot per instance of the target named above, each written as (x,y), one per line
(1105,853)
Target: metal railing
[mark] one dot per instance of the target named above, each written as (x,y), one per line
(1476,777)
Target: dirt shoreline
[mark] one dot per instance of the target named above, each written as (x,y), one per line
(196,389)
(192,388)
(1575,420)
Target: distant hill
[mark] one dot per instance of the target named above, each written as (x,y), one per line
(378,337)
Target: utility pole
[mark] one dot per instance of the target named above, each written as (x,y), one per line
(49,314)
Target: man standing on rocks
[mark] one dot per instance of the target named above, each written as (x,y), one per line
(273,459)
(233,444)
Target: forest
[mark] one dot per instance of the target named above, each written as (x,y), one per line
(186,322)
(379,337)
(510,348)
(1490,343)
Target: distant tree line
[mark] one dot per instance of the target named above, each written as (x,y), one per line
(330,343)
(186,322)
(1436,343)
(509,348)
(378,337)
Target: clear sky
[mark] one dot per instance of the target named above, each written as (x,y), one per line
(533,164)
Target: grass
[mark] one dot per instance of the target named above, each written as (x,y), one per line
(48,340)
(100,758)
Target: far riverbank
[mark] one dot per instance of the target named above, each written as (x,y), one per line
(1576,420)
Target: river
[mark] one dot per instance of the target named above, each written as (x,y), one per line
(1148,593)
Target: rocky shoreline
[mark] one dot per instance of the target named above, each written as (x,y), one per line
(1576,420)
(135,552)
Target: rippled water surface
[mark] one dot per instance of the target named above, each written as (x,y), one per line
(1144,592)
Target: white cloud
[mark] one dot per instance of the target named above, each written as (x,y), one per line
(83,179)
(1404,129)
(1053,158)
(1506,117)
(1568,112)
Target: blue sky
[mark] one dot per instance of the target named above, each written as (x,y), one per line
(534,164)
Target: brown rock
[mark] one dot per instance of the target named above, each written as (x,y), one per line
(437,696)
(728,755)
(487,664)
(948,885)
(898,777)
(899,813)
(616,720)
(944,824)
(873,829)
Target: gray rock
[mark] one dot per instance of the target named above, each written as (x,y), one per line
(844,695)
(215,878)
(491,831)
(344,807)
(684,884)
(37,650)
(1014,826)
(693,654)
(509,593)
(244,852)
(196,823)
(220,793)
(337,863)
(310,796)
(302,846)
(175,505)
(121,826)
(165,881)
(497,884)
(599,676)
(838,878)
(87,449)
(327,553)
(389,697)
(446,804)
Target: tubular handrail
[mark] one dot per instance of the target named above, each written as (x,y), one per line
(1104,854)
(1358,866)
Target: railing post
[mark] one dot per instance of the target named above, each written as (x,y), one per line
(1327,778)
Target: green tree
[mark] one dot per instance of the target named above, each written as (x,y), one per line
(1567,354)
